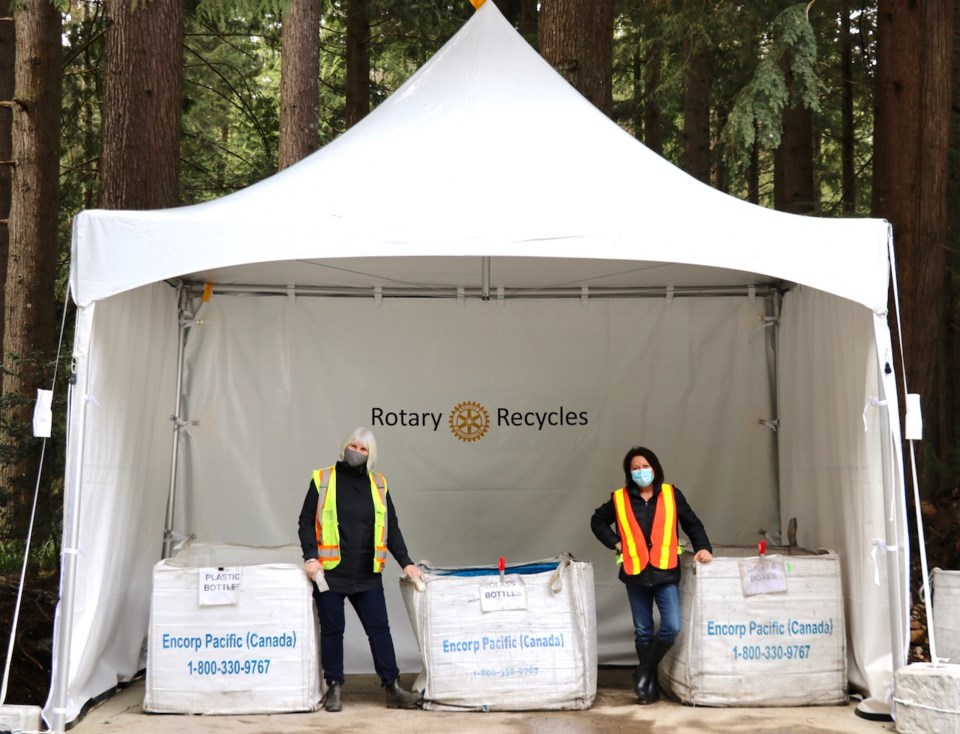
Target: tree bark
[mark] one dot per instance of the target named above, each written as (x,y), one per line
(793,187)
(576,38)
(358,61)
(299,81)
(932,217)
(29,324)
(948,379)
(143,78)
(7,60)
(911,143)
(696,109)
(753,175)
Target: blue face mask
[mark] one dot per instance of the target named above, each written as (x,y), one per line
(643,477)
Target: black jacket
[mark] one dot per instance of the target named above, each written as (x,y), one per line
(355,518)
(604,522)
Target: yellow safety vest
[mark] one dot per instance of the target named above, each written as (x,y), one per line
(664,545)
(328,529)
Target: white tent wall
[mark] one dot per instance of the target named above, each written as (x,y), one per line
(125,351)
(274,383)
(834,424)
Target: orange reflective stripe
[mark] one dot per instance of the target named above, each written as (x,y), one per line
(378,485)
(663,538)
(633,543)
(328,533)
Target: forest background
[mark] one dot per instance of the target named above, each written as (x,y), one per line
(827,108)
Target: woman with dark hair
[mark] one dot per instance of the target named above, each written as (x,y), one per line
(347,525)
(639,522)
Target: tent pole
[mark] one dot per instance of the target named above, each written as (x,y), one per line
(71,536)
(172,491)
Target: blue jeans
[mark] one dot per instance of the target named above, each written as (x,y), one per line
(371,608)
(641,599)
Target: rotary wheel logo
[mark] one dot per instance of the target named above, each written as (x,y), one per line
(469,421)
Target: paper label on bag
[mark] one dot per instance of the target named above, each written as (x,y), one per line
(498,596)
(218,586)
(763,575)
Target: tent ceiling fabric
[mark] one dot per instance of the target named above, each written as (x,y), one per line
(485,151)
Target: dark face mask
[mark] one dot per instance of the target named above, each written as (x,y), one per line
(354,458)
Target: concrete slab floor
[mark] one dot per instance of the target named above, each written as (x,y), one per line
(613,711)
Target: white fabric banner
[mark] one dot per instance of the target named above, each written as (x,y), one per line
(500,427)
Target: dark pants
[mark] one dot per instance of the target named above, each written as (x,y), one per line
(371,608)
(667,597)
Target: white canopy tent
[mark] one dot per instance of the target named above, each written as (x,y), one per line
(484,239)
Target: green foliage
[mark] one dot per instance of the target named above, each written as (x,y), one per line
(829,119)
(230,117)
(83,34)
(18,446)
(404,34)
(224,11)
(756,116)
(44,556)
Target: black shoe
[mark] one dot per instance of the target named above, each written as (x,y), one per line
(397,698)
(641,675)
(659,648)
(333,701)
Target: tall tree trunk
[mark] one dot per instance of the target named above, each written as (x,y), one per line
(299,81)
(848,182)
(576,38)
(932,217)
(143,78)
(948,387)
(29,331)
(7,59)
(911,143)
(722,176)
(696,109)
(753,175)
(636,112)
(652,127)
(793,188)
(358,61)
(528,20)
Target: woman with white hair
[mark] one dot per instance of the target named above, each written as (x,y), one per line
(347,525)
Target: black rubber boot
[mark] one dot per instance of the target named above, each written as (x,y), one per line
(641,675)
(397,698)
(659,648)
(333,701)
